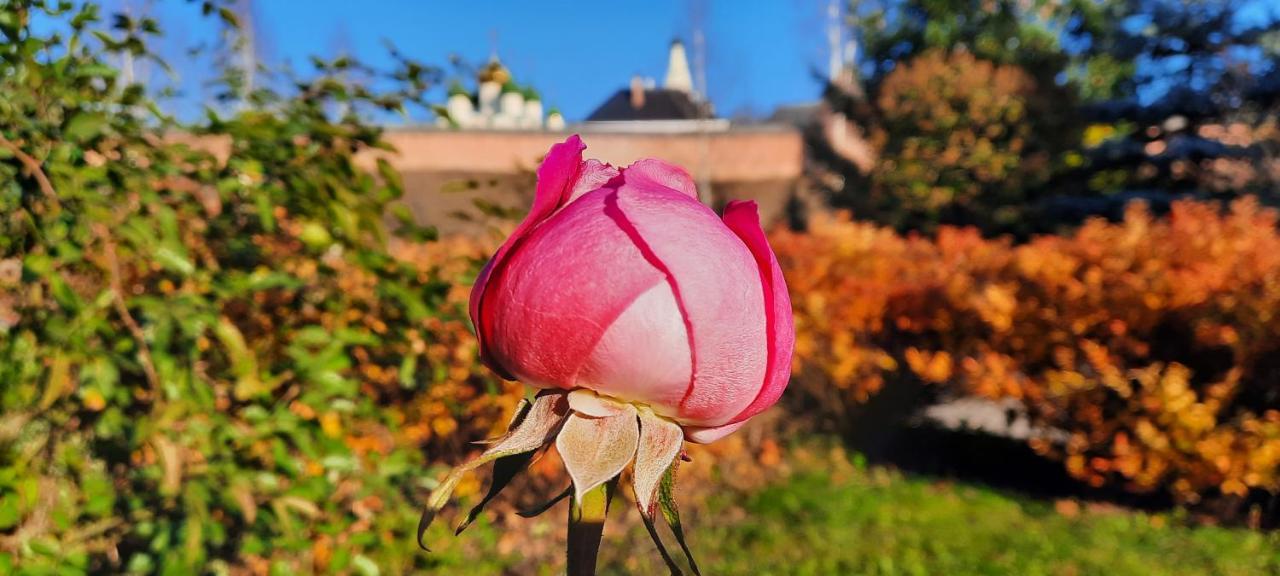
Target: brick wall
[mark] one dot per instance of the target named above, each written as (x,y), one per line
(446,171)
(742,155)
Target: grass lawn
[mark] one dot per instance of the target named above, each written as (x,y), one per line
(839,518)
(872,521)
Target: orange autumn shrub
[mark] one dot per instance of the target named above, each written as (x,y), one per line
(466,396)
(1151,343)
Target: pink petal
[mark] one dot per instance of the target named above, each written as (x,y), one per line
(653,173)
(717,284)
(744,219)
(644,356)
(556,177)
(593,175)
(587,402)
(561,290)
(708,435)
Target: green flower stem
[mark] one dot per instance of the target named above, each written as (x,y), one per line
(586,526)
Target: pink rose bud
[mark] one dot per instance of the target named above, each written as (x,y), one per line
(621,282)
(646,319)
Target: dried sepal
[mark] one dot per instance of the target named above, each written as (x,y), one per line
(539,425)
(660,443)
(595,450)
(522,409)
(504,470)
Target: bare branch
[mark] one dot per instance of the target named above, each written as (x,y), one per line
(31,167)
(122,309)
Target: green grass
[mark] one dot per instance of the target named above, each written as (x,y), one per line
(832,517)
(878,522)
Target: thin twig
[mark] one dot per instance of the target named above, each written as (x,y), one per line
(32,168)
(92,531)
(117,289)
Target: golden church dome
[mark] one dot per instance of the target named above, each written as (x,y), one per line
(494,71)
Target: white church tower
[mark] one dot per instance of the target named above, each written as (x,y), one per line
(678,75)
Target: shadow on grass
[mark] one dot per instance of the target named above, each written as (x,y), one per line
(887,431)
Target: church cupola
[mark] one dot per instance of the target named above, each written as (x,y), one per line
(678,75)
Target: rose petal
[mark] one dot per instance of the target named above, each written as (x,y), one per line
(559,293)
(744,219)
(708,435)
(556,177)
(593,175)
(717,284)
(644,356)
(589,403)
(651,172)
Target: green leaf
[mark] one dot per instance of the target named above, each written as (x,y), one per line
(174,260)
(84,126)
(408,369)
(391,178)
(229,17)
(244,363)
(96,71)
(9,512)
(365,566)
(59,381)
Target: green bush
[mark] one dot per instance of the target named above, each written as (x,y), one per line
(210,360)
(963,140)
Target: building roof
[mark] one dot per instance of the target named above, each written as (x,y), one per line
(658,104)
(798,115)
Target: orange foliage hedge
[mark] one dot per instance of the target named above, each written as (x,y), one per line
(1153,343)
(467,402)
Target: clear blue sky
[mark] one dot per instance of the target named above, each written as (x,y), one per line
(760,53)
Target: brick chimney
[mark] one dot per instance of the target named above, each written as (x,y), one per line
(637,92)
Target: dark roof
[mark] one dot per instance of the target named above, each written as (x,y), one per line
(659,104)
(800,115)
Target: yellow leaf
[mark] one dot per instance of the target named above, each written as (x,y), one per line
(94,401)
(331,424)
(59,384)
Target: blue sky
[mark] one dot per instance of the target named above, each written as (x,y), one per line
(759,53)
